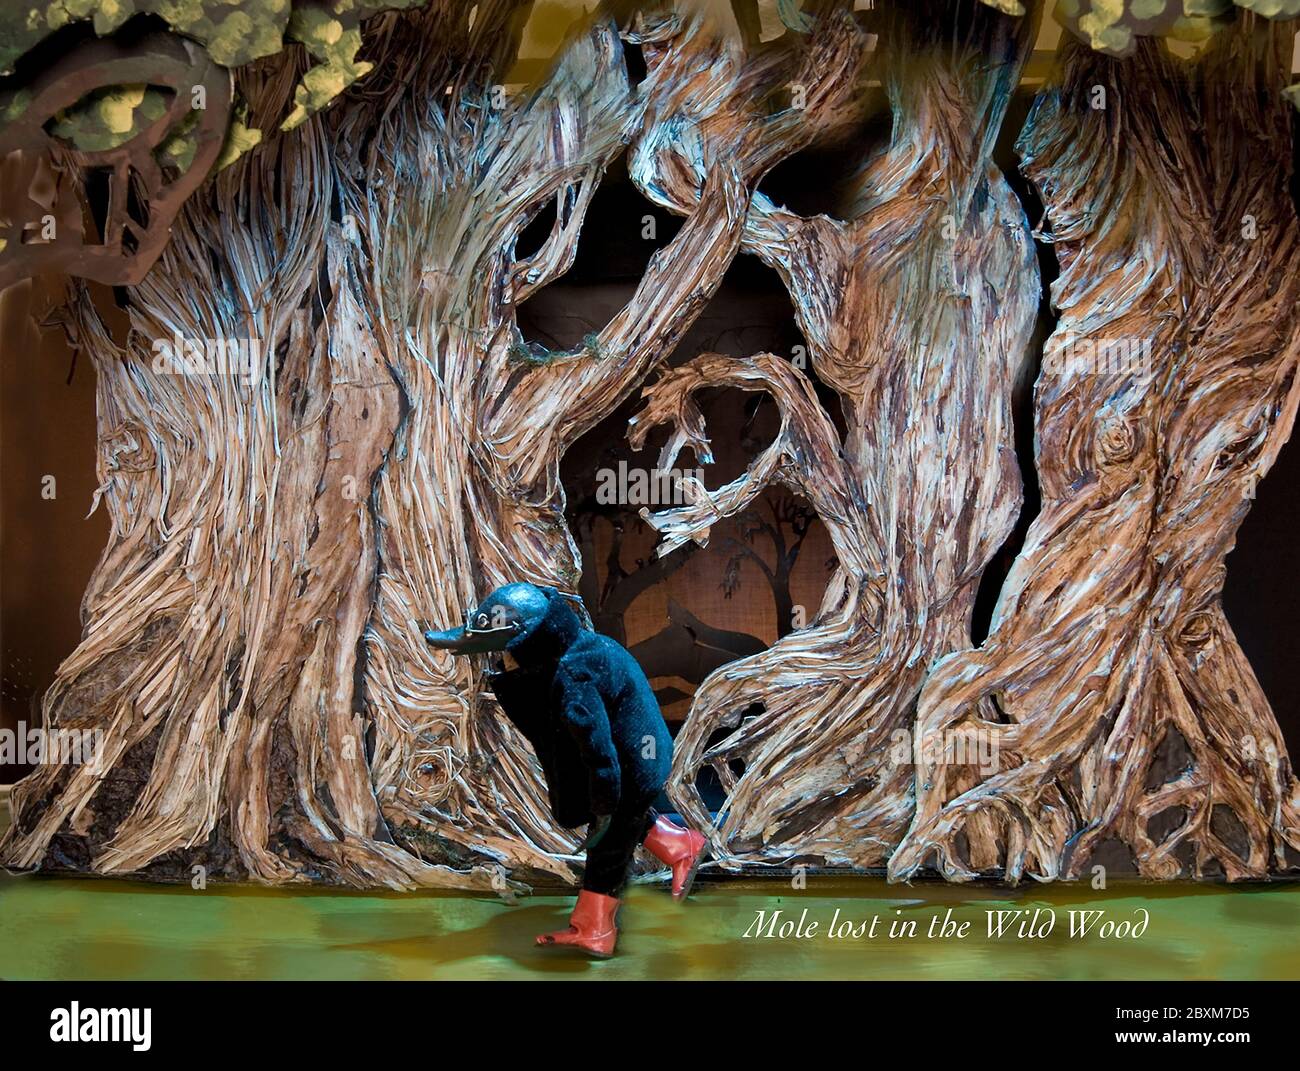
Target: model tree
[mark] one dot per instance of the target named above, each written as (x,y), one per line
(391,450)
(917,310)
(252,650)
(1110,641)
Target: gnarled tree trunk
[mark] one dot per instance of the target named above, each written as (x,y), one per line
(253,649)
(1123,707)
(918,311)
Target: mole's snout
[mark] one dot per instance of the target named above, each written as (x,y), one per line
(466,641)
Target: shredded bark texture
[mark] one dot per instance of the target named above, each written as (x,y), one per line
(253,649)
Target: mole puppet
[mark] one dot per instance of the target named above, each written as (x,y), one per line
(589,712)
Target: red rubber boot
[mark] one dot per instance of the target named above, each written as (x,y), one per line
(681,849)
(591,926)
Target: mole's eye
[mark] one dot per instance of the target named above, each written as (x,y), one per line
(482,620)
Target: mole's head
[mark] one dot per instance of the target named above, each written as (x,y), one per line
(533,623)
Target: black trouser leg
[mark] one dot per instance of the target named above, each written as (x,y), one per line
(608,861)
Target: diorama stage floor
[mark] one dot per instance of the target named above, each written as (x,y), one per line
(98,929)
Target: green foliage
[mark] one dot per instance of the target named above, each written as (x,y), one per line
(109,117)
(181,145)
(237,32)
(335,44)
(530,353)
(1112,25)
(534,354)
(234,32)
(239,138)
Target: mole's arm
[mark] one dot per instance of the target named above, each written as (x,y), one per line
(583,712)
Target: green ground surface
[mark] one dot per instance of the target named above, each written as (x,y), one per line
(87,929)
